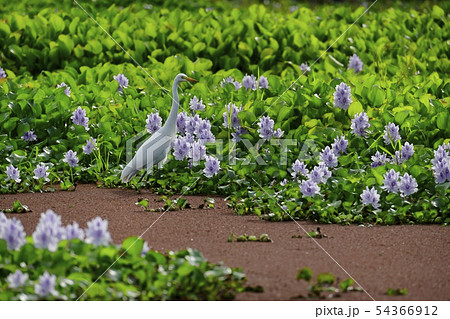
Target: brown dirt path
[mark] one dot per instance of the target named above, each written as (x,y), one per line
(415,257)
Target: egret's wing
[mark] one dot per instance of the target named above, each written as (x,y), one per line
(152,152)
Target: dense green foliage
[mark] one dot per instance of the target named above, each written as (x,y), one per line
(404,81)
(182,275)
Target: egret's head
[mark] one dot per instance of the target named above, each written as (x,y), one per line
(184,78)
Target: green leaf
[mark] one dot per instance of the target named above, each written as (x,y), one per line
(57,23)
(376,96)
(133,246)
(355,108)
(442,121)
(325,279)
(304,274)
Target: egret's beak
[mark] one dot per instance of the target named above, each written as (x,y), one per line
(190,79)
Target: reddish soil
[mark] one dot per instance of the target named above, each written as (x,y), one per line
(415,257)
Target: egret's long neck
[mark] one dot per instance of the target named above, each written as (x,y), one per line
(175,104)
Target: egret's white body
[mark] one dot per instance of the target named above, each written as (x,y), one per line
(154,151)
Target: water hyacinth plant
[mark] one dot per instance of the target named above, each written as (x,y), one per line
(355,63)
(122,80)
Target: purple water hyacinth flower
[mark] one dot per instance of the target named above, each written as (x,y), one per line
(231,115)
(360,124)
(237,85)
(181,148)
(249,82)
(319,174)
(191,123)
(407,185)
(326,174)
(391,134)
(79,118)
(284,182)
(13,234)
(407,151)
(153,122)
(397,158)
(263,82)
(212,166)
(145,249)
(44,236)
(265,128)
(49,231)
(13,173)
(46,285)
(17,279)
(97,232)
(342,96)
(441,171)
(340,145)
(304,67)
(41,172)
(309,188)
(66,90)
(197,152)
(202,125)
(226,81)
(390,181)
(71,158)
(3,221)
(278,133)
(299,168)
(29,136)
(2,73)
(236,136)
(122,80)
(355,63)
(196,105)
(74,231)
(182,119)
(370,197)
(328,157)
(441,164)
(189,138)
(90,146)
(379,159)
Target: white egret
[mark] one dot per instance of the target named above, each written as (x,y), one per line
(154,151)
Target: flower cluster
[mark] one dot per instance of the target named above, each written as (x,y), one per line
(230,80)
(370,197)
(46,285)
(360,124)
(299,168)
(13,173)
(340,145)
(41,172)
(17,279)
(379,159)
(196,105)
(70,157)
(231,119)
(153,122)
(329,157)
(249,82)
(441,164)
(79,118)
(91,145)
(97,232)
(66,90)
(122,80)
(304,67)
(391,134)
(342,96)
(393,183)
(49,231)
(194,133)
(266,129)
(355,63)
(29,136)
(11,230)
(212,166)
(2,73)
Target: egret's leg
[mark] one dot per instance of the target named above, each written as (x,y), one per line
(142,177)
